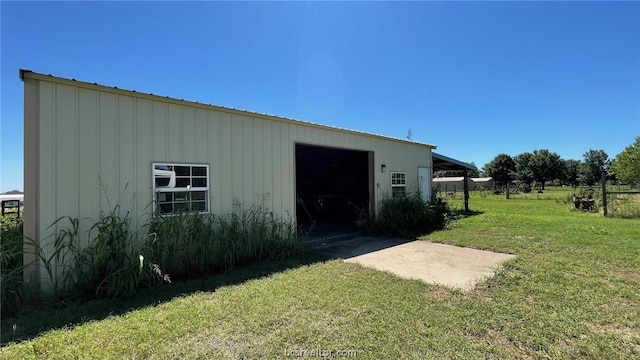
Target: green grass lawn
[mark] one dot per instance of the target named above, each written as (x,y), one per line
(572,292)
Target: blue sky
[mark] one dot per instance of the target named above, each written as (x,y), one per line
(475,79)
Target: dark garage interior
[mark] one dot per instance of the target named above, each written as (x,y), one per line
(332,188)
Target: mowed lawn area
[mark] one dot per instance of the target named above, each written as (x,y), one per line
(572,292)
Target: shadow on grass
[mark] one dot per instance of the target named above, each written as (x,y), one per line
(44,317)
(459,213)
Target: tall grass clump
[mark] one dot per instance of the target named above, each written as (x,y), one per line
(107,260)
(105,257)
(110,260)
(176,241)
(187,245)
(11,250)
(409,217)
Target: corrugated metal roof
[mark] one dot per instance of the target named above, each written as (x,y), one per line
(28,73)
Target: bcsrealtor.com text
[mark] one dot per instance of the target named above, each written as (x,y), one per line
(320,353)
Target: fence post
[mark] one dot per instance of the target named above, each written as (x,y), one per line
(603,181)
(466,189)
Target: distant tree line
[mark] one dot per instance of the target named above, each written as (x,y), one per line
(542,166)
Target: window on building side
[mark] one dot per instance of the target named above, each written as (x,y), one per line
(398,185)
(180,188)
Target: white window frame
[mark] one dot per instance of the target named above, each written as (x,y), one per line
(172,187)
(395,183)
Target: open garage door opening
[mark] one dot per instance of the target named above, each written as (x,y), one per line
(334,189)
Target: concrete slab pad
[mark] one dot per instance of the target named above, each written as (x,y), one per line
(433,263)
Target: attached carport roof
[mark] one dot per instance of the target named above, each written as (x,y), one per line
(441,162)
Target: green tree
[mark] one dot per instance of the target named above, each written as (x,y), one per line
(447,173)
(474,173)
(595,161)
(546,165)
(484,170)
(627,164)
(571,172)
(524,170)
(502,169)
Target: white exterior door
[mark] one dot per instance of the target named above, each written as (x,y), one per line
(424,183)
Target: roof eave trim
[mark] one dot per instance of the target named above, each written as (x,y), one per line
(22,72)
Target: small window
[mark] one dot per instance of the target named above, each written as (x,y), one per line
(398,185)
(180,188)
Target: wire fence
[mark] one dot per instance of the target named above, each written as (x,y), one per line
(625,204)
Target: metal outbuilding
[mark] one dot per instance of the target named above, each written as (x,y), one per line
(484,182)
(89,147)
(451,184)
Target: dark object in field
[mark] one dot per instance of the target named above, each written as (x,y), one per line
(582,203)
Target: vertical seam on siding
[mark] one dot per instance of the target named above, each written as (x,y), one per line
(55,150)
(152,154)
(55,172)
(241,167)
(181,122)
(209,158)
(273,169)
(194,138)
(77,153)
(135,163)
(231,156)
(282,183)
(118,163)
(97,179)
(282,128)
(252,168)
(167,121)
(152,134)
